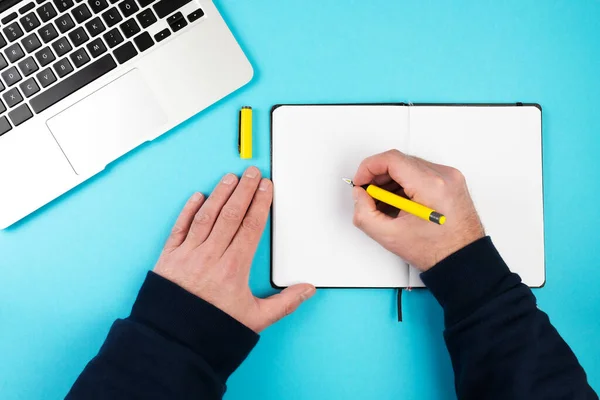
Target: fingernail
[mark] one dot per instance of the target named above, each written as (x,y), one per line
(197,197)
(228,179)
(264,185)
(355,195)
(252,172)
(308,293)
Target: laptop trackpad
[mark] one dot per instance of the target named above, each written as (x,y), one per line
(108,123)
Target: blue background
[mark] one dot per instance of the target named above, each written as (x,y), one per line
(73,267)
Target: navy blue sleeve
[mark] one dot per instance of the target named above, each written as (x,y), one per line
(174,345)
(501,345)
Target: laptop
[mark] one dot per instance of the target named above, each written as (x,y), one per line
(83,82)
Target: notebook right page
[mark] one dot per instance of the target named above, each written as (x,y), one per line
(499,150)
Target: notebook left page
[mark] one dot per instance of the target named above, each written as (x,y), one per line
(313,238)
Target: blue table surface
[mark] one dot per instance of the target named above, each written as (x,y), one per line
(73,267)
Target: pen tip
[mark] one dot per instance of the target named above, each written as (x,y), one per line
(348,181)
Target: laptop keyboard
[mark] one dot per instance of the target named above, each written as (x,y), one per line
(52,48)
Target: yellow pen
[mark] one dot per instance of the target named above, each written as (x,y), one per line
(402,203)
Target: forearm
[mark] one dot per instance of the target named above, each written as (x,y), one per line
(501,345)
(174,345)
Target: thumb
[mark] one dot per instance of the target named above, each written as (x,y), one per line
(366,215)
(286,302)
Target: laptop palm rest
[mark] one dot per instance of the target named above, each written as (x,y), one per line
(108,123)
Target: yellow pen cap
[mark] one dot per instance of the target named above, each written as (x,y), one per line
(245,133)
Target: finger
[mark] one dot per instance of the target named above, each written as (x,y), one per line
(284,303)
(438,168)
(184,221)
(391,187)
(233,212)
(205,218)
(246,239)
(368,218)
(381,180)
(387,209)
(401,168)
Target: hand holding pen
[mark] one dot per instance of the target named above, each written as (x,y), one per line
(442,189)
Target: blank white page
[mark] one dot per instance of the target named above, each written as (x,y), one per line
(314,239)
(499,150)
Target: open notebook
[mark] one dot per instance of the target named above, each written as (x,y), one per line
(497,147)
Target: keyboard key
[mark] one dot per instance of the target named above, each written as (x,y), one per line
(196,15)
(146,18)
(128,8)
(65,23)
(9,18)
(98,5)
(95,27)
(14,52)
(113,38)
(20,114)
(78,36)
(177,22)
(13,32)
(4,124)
(80,58)
(63,5)
(125,53)
(162,35)
(112,17)
(46,12)
(166,7)
(62,46)
(81,13)
(63,67)
(3,64)
(31,43)
(48,33)
(45,56)
(11,76)
(46,78)
(144,3)
(143,41)
(130,28)
(28,66)
(12,98)
(29,87)
(96,48)
(30,22)
(26,8)
(2,41)
(81,78)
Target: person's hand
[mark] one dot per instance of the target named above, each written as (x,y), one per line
(211,247)
(419,242)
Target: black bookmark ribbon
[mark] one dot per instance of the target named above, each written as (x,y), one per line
(399,305)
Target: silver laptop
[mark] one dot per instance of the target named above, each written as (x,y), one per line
(83,82)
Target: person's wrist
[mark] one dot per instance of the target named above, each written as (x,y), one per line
(450,248)
(165,307)
(467,278)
